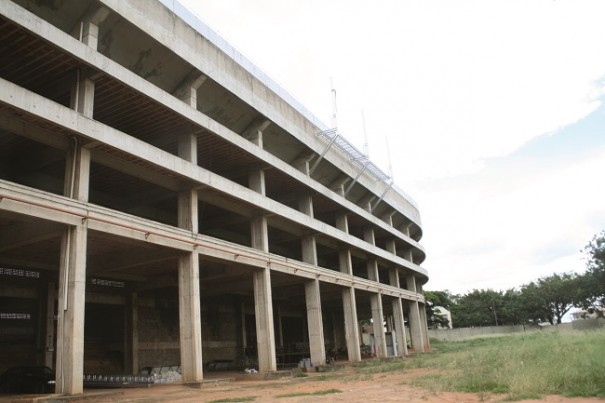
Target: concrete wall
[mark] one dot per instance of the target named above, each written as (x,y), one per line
(471,332)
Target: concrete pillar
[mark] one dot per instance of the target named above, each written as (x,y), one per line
(399,327)
(372,267)
(187,90)
(188,210)
(305,205)
(70,322)
(132,335)
(190,323)
(424,327)
(254,132)
(280,328)
(189,318)
(415,319)
(377,312)
(345,262)
(394,277)
(49,347)
(77,172)
(187,147)
(368,235)
(263,304)
(309,249)
(349,306)
(342,223)
(309,246)
(315,323)
(263,308)
(391,246)
(377,320)
(256,181)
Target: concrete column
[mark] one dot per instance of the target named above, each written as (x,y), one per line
(368,235)
(342,223)
(189,318)
(263,304)
(315,323)
(254,133)
(377,319)
(70,324)
(187,147)
(263,308)
(415,326)
(391,246)
(351,325)
(280,328)
(309,249)
(259,233)
(133,337)
(415,319)
(399,327)
(305,205)
(49,348)
(424,327)
(345,262)
(187,90)
(394,277)
(309,246)
(256,181)
(190,323)
(377,312)
(77,172)
(372,267)
(188,210)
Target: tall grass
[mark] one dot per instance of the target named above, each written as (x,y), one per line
(522,366)
(572,364)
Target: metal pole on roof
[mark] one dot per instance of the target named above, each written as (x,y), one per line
(334,110)
(366,148)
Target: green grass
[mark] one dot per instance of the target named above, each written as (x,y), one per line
(522,366)
(317,393)
(234,399)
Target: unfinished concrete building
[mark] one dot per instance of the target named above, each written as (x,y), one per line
(163,202)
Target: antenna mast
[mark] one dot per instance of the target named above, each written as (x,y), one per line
(366,148)
(334,110)
(386,139)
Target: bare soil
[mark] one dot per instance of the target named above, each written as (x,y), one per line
(351,387)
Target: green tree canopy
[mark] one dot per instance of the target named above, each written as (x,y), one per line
(477,308)
(592,283)
(435,299)
(549,298)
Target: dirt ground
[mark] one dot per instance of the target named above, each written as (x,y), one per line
(347,387)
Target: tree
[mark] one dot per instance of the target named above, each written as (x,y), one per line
(477,308)
(551,297)
(592,283)
(435,299)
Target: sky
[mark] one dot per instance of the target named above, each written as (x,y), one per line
(489,113)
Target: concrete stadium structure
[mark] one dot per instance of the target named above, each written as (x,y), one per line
(163,202)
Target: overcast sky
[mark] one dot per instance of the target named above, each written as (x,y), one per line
(492,111)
